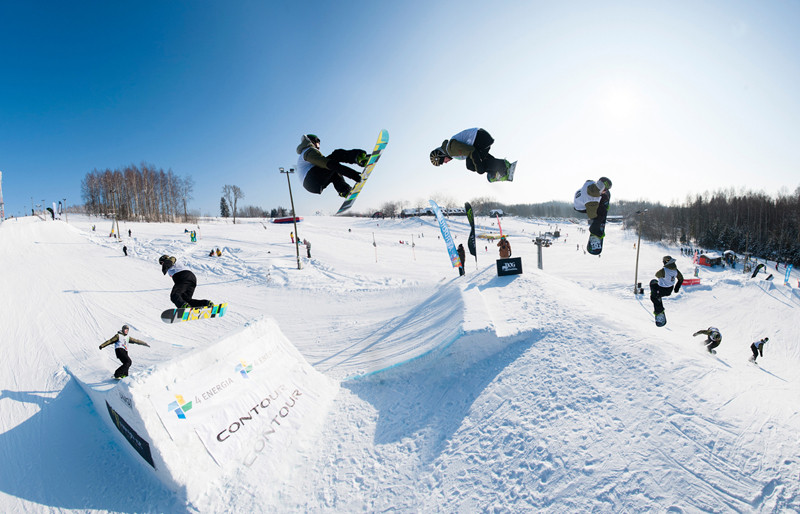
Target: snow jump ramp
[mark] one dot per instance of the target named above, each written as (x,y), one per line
(244,405)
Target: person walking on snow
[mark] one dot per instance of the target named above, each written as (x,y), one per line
(592,199)
(120,341)
(668,279)
(713,338)
(472,145)
(758,349)
(185,284)
(317,171)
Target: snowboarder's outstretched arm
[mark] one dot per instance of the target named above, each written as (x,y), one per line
(136,341)
(679,282)
(701,332)
(110,341)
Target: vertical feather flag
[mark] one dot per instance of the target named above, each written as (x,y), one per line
(448,239)
(471,241)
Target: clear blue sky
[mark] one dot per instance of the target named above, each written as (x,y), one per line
(666,98)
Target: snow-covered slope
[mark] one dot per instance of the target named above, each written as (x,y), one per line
(552,390)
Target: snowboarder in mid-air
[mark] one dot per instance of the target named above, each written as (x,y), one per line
(120,341)
(668,279)
(713,338)
(758,349)
(592,199)
(185,284)
(473,145)
(317,171)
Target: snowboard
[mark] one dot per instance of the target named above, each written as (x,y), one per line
(508,177)
(383,140)
(661,319)
(595,245)
(178,315)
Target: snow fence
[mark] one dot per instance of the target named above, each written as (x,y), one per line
(245,405)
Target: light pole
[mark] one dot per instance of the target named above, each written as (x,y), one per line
(294,217)
(639,214)
(66,218)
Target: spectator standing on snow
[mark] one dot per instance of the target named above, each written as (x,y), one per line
(505,248)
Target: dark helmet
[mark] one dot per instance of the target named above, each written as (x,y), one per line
(667,260)
(313,138)
(606,181)
(437,156)
(766,339)
(163,259)
(125,327)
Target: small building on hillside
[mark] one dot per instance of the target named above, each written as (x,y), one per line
(710,259)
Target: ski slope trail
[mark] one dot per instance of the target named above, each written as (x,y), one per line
(548,391)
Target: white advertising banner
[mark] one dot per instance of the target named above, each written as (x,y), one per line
(249,400)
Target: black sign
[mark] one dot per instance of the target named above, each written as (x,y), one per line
(141,446)
(511,266)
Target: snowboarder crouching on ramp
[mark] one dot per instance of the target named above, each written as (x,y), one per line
(668,279)
(317,171)
(120,342)
(758,349)
(472,145)
(713,338)
(185,284)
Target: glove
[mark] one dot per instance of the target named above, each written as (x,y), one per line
(147,345)
(100,347)
(677,288)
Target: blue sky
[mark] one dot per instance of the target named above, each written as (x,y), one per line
(667,99)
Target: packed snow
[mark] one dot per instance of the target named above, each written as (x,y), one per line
(548,391)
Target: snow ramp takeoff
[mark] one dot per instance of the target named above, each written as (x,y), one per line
(244,406)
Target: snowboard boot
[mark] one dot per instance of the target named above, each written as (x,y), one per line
(185,306)
(595,245)
(661,319)
(345,194)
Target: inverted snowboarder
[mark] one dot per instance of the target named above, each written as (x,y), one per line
(317,171)
(713,338)
(473,145)
(593,199)
(120,341)
(668,279)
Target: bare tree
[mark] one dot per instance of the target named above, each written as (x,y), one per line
(232,194)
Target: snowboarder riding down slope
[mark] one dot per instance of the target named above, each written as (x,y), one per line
(668,279)
(120,341)
(472,145)
(713,338)
(317,171)
(592,199)
(185,283)
(758,349)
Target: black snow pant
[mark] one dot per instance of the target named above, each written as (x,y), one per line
(710,345)
(481,160)
(755,351)
(656,293)
(122,355)
(182,291)
(317,179)
(597,226)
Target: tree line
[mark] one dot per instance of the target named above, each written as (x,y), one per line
(142,193)
(747,222)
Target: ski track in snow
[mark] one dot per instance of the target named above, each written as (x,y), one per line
(548,391)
